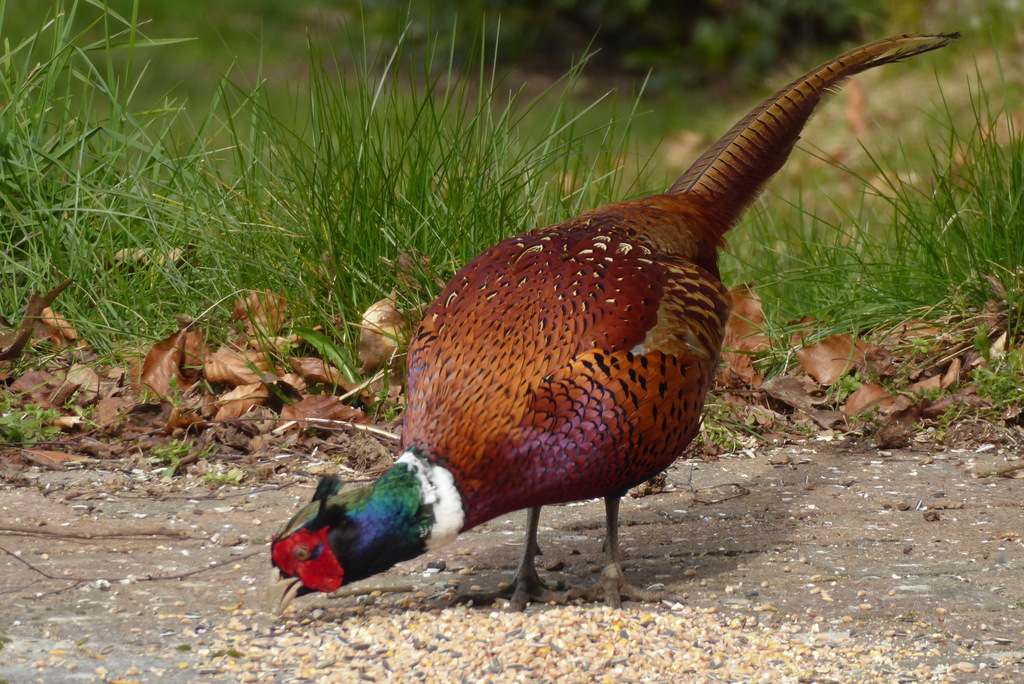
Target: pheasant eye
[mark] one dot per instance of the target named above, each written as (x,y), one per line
(302,553)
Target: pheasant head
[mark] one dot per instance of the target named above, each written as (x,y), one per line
(340,537)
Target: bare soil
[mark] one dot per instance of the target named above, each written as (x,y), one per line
(117,575)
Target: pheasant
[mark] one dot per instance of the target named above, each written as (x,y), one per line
(566,363)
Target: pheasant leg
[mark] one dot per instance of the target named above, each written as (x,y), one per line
(612,585)
(526,586)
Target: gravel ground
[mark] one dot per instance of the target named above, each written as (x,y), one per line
(816,562)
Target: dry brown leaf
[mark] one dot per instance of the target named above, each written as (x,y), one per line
(241,400)
(867,396)
(904,411)
(743,339)
(794,392)
(173,362)
(323,408)
(109,411)
(183,416)
(384,330)
(318,371)
(62,333)
(68,422)
(262,313)
(931,410)
(47,458)
(296,381)
(85,381)
(831,358)
(876,362)
(36,386)
(231,368)
(952,375)
(999,345)
(926,385)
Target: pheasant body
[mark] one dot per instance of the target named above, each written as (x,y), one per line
(573,359)
(566,363)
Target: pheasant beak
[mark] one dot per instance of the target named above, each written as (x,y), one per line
(281,591)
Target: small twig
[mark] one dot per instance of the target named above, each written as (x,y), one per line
(44,532)
(328,424)
(737,491)
(19,243)
(32,567)
(190,573)
(216,495)
(158,578)
(36,304)
(1001,472)
(366,591)
(361,386)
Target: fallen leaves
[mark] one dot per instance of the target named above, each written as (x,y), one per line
(867,396)
(271,384)
(238,400)
(744,340)
(317,410)
(173,363)
(831,358)
(913,372)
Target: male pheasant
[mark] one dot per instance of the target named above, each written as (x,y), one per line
(566,363)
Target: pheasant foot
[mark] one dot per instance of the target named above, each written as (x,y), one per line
(613,588)
(526,588)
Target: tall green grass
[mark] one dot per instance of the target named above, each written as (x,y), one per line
(158,215)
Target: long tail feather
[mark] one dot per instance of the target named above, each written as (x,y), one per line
(732,172)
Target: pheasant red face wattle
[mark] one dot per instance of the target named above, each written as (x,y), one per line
(306,555)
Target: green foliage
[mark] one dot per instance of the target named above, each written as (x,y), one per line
(173,452)
(844,387)
(721,426)
(1002,381)
(26,423)
(234,476)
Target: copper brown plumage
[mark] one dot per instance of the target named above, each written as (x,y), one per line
(572,361)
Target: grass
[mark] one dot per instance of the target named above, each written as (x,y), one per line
(174,210)
(157,216)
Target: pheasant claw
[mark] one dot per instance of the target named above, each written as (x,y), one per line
(613,588)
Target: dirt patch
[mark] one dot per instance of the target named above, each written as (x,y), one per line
(119,575)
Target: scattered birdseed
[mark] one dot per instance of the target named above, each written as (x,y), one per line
(410,640)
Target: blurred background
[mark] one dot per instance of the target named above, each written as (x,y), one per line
(719,45)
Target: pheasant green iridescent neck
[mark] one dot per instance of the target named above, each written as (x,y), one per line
(374,527)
